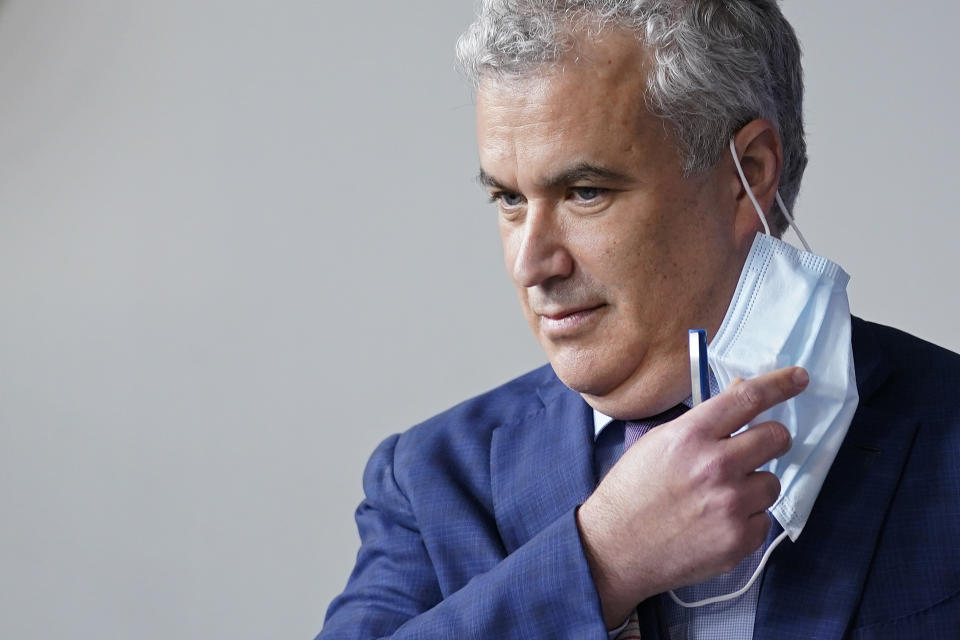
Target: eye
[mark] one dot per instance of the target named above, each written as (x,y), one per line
(587,195)
(507,199)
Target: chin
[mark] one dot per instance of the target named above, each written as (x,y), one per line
(618,387)
(584,371)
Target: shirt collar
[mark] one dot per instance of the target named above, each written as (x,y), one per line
(601,420)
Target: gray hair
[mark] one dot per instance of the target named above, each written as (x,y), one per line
(717,65)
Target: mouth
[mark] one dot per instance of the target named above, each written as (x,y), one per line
(566,323)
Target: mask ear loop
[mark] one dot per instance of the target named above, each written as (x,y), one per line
(756,205)
(739,592)
(792,222)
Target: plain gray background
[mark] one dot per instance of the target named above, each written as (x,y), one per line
(240,243)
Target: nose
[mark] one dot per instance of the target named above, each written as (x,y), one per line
(540,248)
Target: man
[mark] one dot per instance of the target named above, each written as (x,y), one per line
(628,147)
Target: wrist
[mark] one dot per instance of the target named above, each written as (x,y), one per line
(617,599)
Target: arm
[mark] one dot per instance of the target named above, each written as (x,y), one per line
(682,505)
(544,588)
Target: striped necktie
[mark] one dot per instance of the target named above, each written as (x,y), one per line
(634,429)
(648,620)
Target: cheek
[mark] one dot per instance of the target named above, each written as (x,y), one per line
(523,295)
(510,243)
(644,281)
(622,257)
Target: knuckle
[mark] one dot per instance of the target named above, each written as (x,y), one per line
(712,469)
(778,436)
(704,473)
(748,397)
(728,502)
(683,437)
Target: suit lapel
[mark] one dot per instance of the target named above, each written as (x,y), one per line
(811,588)
(542,465)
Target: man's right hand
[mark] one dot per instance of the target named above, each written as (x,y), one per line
(685,503)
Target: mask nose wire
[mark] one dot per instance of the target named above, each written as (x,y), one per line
(756,205)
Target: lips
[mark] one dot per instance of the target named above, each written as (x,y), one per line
(566,313)
(568,322)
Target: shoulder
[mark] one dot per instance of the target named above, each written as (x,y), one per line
(904,349)
(453,447)
(510,402)
(910,372)
(471,423)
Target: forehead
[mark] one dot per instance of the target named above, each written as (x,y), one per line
(587,107)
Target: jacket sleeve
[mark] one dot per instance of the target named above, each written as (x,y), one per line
(541,590)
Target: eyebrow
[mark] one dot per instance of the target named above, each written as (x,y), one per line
(577,173)
(488,180)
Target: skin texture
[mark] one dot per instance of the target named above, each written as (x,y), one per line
(615,255)
(650,254)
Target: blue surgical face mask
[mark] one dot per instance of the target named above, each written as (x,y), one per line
(790,308)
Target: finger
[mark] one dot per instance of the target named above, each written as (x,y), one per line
(758,528)
(757,445)
(759,492)
(738,405)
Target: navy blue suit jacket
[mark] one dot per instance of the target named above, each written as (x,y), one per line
(468,526)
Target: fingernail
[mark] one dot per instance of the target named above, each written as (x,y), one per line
(800,377)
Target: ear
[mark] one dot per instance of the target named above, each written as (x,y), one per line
(761,156)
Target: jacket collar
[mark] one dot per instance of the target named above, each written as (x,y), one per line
(542,465)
